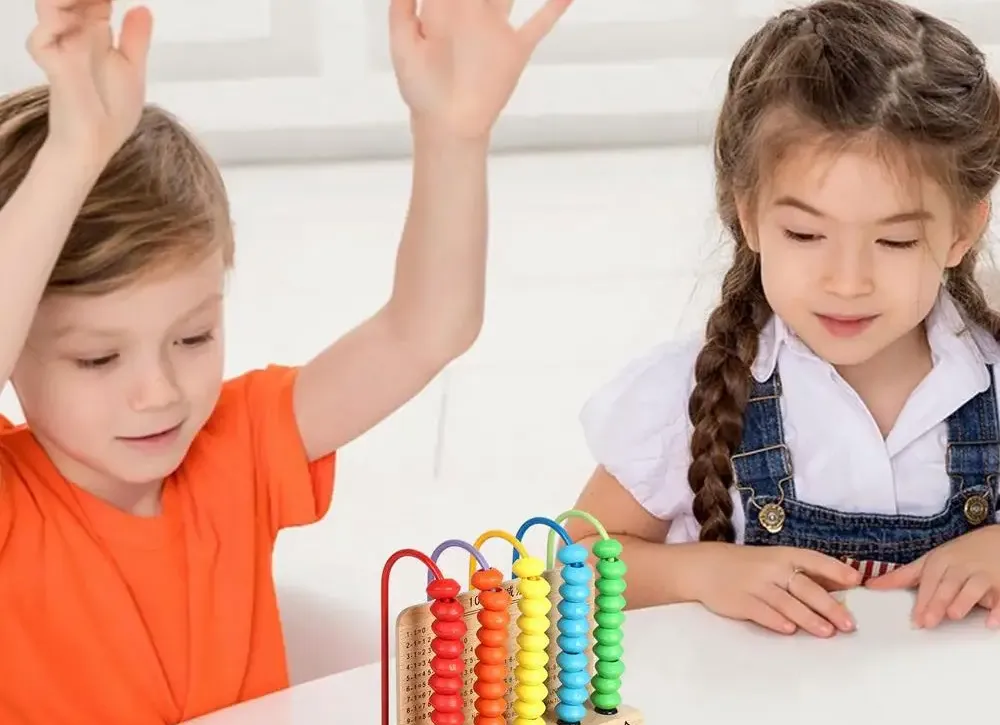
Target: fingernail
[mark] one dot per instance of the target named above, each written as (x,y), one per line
(850,625)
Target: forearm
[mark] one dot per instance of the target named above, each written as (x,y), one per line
(438,293)
(34,225)
(658,573)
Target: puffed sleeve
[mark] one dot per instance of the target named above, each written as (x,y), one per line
(637,427)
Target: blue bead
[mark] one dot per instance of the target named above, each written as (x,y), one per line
(573,627)
(573,610)
(579,575)
(572,695)
(573,554)
(572,645)
(574,678)
(570,713)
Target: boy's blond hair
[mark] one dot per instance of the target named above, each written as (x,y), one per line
(159,204)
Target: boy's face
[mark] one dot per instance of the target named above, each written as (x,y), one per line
(116,386)
(853,255)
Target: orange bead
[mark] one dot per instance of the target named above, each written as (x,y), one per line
(487,579)
(493,690)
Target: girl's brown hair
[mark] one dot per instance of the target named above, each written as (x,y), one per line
(837,71)
(160,202)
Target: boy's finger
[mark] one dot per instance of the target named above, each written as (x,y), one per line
(136,36)
(543,21)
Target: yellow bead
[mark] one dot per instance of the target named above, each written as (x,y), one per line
(533,641)
(528,567)
(529,710)
(534,692)
(534,588)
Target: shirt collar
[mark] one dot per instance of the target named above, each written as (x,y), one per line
(950,335)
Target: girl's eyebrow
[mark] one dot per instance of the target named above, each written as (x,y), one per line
(906,216)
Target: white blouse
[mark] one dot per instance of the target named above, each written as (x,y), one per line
(637,425)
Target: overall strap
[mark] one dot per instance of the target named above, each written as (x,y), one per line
(762,463)
(973,456)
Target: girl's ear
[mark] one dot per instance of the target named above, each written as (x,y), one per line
(971,230)
(749,231)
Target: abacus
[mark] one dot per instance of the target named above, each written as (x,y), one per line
(518,666)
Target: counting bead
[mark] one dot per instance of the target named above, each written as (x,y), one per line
(491,669)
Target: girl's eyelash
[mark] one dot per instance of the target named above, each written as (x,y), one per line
(799,237)
(105,360)
(96,362)
(891,243)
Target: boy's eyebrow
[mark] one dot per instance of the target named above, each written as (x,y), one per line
(906,216)
(71,328)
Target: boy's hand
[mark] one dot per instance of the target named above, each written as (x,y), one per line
(97,89)
(459,61)
(952,579)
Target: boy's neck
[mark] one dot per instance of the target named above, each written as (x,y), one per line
(137,499)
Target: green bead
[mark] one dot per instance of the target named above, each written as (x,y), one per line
(610,586)
(607,549)
(610,604)
(608,636)
(611,568)
(606,685)
(608,651)
(606,701)
(610,669)
(609,620)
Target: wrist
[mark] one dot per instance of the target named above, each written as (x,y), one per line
(434,136)
(72,166)
(694,564)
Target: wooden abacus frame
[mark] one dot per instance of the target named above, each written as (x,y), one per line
(413,637)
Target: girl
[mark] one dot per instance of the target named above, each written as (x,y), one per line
(838,422)
(140,505)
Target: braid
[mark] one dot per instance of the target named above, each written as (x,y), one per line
(968,293)
(722,386)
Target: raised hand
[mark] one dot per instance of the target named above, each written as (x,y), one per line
(459,61)
(97,87)
(781,588)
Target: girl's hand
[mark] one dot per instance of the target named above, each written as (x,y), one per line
(458,62)
(781,588)
(952,579)
(97,89)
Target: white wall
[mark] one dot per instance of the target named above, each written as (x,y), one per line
(283,79)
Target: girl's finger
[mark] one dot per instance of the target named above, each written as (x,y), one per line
(760,612)
(819,600)
(938,588)
(968,597)
(793,609)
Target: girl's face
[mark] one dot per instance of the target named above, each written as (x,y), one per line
(852,254)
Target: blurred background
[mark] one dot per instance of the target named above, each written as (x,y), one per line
(603,242)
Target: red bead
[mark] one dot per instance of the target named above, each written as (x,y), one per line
(448,610)
(443,589)
(447,718)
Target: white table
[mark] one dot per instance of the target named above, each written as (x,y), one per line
(685,665)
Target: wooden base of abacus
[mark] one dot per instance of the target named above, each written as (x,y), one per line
(625,716)
(413,656)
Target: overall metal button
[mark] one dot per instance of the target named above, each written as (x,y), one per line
(976,509)
(772,517)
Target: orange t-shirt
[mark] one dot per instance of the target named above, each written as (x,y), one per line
(109,618)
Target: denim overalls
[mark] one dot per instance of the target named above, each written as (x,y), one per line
(873,543)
